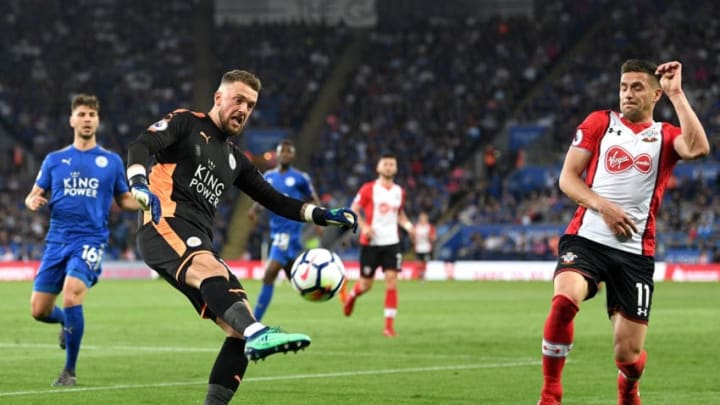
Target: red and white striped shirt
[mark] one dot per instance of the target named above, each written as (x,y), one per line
(424,237)
(630,166)
(381,206)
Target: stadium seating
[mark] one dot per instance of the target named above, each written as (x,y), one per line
(435,92)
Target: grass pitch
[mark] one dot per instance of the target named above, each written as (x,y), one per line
(459,343)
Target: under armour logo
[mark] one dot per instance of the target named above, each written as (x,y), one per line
(641,311)
(612,130)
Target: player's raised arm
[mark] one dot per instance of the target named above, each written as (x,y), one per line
(693,142)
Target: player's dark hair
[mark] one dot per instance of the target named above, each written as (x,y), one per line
(242,76)
(88,100)
(286,143)
(641,66)
(388,155)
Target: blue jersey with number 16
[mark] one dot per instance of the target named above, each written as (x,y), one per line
(81,187)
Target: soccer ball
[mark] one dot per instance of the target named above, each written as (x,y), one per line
(317,274)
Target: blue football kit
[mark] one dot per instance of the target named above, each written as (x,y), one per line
(81,187)
(285,234)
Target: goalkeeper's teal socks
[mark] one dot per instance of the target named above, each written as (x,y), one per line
(263,301)
(74,328)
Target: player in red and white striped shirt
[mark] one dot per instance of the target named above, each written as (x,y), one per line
(616,170)
(380,203)
(425,235)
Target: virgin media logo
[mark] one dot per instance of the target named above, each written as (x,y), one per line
(619,160)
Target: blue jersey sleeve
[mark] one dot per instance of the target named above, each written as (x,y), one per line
(44,177)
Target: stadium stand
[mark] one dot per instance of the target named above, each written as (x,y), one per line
(436,91)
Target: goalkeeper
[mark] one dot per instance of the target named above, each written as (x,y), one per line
(194,162)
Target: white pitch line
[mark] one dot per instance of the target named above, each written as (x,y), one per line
(277,378)
(160,349)
(109,348)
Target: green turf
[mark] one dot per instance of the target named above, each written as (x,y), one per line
(459,343)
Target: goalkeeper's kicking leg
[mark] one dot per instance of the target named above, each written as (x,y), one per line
(246,339)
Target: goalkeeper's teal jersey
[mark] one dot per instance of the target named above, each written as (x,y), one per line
(80,187)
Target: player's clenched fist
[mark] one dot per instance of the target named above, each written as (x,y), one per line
(35,202)
(670,77)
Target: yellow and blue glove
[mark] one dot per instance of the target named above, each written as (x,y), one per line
(345,218)
(147,200)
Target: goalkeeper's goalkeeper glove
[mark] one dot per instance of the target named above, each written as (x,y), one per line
(345,218)
(147,200)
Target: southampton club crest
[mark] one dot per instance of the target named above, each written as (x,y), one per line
(568,258)
(651,135)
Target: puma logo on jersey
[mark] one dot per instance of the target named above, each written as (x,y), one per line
(204,135)
(66,161)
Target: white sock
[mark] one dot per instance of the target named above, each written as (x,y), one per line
(252,329)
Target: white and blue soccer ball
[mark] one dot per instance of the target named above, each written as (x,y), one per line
(317,274)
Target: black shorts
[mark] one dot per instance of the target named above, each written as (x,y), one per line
(628,277)
(168,248)
(423,257)
(371,257)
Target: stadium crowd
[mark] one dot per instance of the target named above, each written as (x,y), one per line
(434,92)
(146,73)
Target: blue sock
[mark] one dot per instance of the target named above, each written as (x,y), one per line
(263,301)
(56,316)
(74,328)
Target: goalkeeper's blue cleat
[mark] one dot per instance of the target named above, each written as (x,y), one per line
(271,340)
